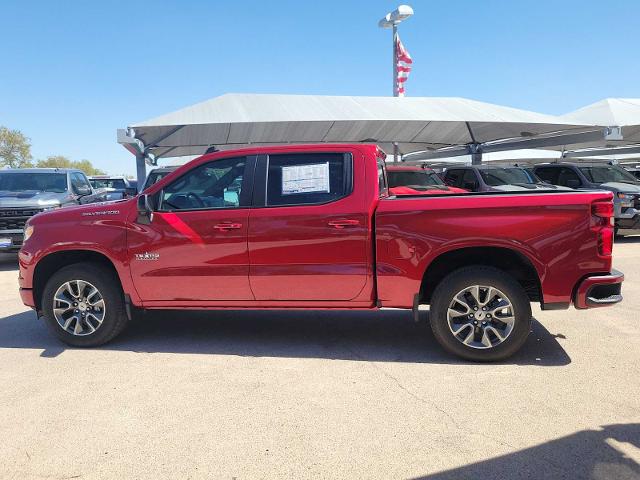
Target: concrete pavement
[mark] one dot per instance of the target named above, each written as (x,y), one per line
(320,395)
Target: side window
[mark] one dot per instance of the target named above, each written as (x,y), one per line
(216,184)
(548,174)
(312,178)
(568,178)
(469,180)
(79,182)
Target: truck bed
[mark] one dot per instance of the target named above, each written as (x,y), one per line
(550,230)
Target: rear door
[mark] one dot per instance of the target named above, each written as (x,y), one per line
(309,229)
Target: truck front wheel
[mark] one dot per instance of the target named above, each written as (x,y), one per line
(83,304)
(480,313)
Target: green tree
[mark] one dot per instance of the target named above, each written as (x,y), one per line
(87,167)
(15,149)
(55,161)
(60,161)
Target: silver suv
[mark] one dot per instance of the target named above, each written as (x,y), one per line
(25,192)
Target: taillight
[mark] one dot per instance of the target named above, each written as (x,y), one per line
(605,242)
(602,209)
(602,223)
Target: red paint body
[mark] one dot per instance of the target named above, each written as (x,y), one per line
(363,251)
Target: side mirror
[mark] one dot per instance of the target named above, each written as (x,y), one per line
(131,191)
(82,190)
(145,210)
(573,183)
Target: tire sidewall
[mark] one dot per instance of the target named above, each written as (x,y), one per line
(463,278)
(111,292)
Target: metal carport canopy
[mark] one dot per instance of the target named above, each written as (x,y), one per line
(623,113)
(618,133)
(415,123)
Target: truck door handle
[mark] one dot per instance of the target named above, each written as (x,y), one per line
(344,223)
(225,227)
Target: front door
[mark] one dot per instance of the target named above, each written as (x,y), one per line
(195,247)
(309,239)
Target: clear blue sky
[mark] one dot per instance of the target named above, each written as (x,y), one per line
(74,72)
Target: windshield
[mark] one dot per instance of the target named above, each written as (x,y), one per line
(506,176)
(411,178)
(607,173)
(117,183)
(154,177)
(40,182)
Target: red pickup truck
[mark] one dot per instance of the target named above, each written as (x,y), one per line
(314,227)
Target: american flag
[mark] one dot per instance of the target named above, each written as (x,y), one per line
(403,65)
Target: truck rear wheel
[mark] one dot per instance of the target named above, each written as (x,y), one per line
(84,305)
(480,313)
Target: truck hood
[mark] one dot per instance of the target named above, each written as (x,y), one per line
(621,187)
(32,199)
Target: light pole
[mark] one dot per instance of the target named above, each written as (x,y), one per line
(392,20)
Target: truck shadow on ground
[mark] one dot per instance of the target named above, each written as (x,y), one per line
(384,336)
(612,452)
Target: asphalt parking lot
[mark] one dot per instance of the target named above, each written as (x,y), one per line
(320,395)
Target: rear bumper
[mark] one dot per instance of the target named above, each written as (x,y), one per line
(599,291)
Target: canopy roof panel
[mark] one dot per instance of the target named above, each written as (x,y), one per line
(415,123)
(611,112)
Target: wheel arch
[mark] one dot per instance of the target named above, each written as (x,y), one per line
(52,262)
(506,259)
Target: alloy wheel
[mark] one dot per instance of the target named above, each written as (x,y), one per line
(481,316)
(78,307)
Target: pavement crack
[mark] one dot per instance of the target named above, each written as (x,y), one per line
(422,400)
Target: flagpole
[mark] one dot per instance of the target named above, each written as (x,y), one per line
(395,60)
(392,20)
(396,150)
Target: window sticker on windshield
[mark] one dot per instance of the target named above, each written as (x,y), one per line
(309,178)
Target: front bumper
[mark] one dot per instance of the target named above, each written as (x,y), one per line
(26,294)
(15,237)
(599,291)
(630,223)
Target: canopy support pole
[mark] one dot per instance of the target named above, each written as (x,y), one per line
(135,146)
(141,170)
(475,150)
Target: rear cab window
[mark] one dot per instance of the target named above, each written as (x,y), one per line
(383,184)
(453,177)
(469,180)
(548,174)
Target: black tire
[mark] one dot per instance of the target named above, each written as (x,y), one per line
(457,281)
(108,285)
